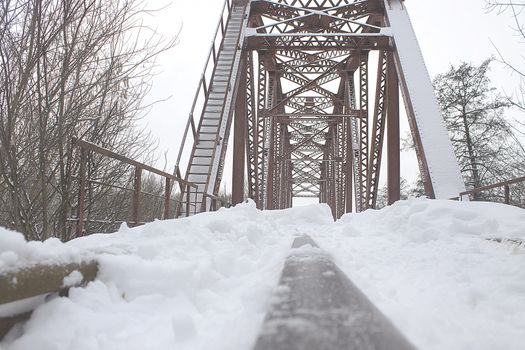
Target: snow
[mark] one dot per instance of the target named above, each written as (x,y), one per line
(15,252)
(73,279)
(206,281)
(442,163)
(21,306)
(202,282)
(427,266)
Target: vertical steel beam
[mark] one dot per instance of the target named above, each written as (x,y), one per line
(252,128)
(354,139)
(262,131)
(270,139)
(341,174)
(394,166)
(239,139)
(363,128)
(348,167)
(271,162)
(378,129)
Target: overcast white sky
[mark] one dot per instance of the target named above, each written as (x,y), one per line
(449,31)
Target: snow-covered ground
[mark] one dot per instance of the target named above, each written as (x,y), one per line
(427,266)
(205,282)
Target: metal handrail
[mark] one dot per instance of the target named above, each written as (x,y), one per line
(170,179)
(202,83)
(217,199)
(105,152)
(504,184)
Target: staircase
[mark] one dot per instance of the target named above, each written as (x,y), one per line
(205,165)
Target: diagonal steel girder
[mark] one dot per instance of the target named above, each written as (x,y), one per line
(323,78)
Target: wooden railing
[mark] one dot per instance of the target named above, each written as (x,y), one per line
(137,192)
(21,291)
(505,185)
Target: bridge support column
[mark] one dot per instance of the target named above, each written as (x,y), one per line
(392,120)
(348,168)
(239,141)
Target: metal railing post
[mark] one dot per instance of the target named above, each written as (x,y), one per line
(195,201)
(504,184)
(188,198)
(136,195)
(81,192)
(167,196)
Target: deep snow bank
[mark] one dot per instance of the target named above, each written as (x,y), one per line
(204,282)
(197,283)
(427,266)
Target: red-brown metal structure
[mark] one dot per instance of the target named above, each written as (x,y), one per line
(296,80)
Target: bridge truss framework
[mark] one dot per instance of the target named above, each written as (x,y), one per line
(314,99)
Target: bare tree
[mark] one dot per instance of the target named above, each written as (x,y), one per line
(516,8)
(69,68)
(483,140)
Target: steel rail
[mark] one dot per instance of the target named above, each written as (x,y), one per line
(313,291)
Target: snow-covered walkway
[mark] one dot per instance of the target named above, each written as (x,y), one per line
(205,282)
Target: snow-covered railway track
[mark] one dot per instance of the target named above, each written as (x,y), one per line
(316,306)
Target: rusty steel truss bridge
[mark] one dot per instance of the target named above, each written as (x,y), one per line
(309,91)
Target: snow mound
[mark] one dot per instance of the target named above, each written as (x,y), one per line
(428,266)
(202,282)
(205,282)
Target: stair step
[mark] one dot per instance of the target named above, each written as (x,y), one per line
(216,96)
(224,65)
(207,137)
(206,144)
(208,152)
(212,116)
(212,112)
(197,178)
(198,162)
(210,123)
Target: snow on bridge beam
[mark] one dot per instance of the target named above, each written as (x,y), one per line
(438,164)
(21,290)
(317,307)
